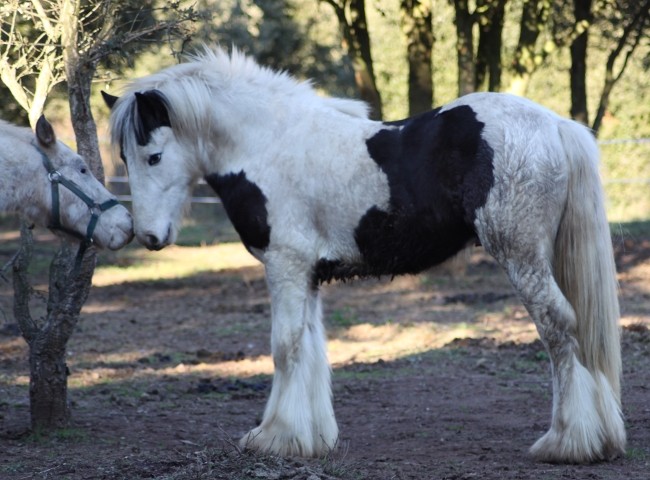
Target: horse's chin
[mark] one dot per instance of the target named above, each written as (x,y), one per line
(118,242)
(155,248)
(155,242)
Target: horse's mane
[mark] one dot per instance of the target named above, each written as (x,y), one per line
(236,79)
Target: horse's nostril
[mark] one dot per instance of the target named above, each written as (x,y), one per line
(152,240)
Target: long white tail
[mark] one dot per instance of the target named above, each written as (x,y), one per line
(584,261)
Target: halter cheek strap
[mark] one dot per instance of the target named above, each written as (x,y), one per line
(96,209)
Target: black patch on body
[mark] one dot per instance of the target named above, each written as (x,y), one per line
(245,205)
(439,172)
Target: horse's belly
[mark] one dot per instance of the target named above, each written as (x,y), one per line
(391,244)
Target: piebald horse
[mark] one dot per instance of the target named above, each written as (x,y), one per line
(317,191)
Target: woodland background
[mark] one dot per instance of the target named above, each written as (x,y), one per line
(587,59)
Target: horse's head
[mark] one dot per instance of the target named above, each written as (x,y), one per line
(156,162)
(77,203)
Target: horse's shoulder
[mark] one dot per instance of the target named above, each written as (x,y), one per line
(245,204)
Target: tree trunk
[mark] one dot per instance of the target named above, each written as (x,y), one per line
(534,17)
(488,54)
(48,383)
(579,111)
(356,40)
(417,26)
(464,21)
(68,289)
(362,58)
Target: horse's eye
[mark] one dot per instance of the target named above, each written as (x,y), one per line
(154,159)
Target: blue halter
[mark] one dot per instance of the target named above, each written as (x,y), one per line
(96,209)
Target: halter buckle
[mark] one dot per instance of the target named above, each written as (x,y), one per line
(54,176)
(95,209)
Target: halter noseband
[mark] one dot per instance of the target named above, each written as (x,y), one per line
(96,209)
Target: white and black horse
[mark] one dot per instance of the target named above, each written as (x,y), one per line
(50,185)
(317,191)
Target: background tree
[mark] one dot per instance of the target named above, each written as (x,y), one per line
(527,57)
(30,62)
(626,24)
(78,35)
(417,28)
(618,27)
(464,21)
(282,34)
(583,18)
(490,18)
(351,15)
(480,69)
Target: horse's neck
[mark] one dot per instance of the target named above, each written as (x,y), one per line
(19,183)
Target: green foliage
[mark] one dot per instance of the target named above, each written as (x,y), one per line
(344,318)
(303,37)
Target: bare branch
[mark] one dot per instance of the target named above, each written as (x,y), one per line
(49,29)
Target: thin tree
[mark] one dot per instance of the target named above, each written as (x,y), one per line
(417,28)
(479,61)
(490,18)
(351,15)
(76,36)
(583,18)
(527,58)
(632,19)
(464,20)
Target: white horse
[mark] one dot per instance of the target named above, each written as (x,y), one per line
(34,167)
(317,191)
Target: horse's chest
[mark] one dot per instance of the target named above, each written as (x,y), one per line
(245,205)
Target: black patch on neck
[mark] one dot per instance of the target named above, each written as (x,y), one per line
(439,172)
(245,205)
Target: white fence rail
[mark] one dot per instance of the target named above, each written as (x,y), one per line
(210,198)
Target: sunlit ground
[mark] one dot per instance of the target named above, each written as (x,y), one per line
(174,262)
(360,342)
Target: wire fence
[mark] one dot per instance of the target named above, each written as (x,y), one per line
(204,195)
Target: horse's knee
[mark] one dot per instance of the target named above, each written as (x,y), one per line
(285,353)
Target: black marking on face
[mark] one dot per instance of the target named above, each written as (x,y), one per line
(439,172)
(153,113)
(245,205)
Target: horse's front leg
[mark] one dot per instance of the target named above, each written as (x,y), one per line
(299,418)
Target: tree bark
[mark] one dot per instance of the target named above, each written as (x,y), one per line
(417,26)
(464,21)
(48,384)
(488,54)
(583,19)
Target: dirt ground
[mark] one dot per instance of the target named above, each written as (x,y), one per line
(437,376)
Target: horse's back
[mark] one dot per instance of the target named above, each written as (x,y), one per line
(443,166)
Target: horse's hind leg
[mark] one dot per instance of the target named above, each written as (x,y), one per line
(299,418)
(583,403)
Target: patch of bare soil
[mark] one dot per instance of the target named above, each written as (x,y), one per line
(435,377)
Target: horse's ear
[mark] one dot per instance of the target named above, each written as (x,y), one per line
(152,109)
(44,132)
(109,99)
